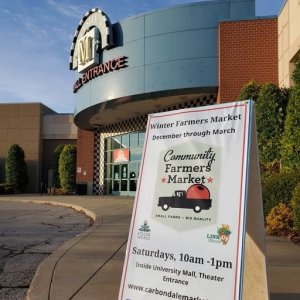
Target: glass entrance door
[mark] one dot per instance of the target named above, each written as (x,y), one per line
(121,172)
(133,176)
(125,178)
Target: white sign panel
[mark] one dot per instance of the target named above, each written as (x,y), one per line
(188,224)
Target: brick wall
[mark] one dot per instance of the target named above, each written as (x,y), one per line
(247,50)
(85,156)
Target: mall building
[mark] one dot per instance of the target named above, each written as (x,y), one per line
(38,130)
(183,56)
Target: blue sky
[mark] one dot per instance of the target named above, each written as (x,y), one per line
(36,36)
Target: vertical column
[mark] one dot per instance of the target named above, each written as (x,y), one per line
(96,175)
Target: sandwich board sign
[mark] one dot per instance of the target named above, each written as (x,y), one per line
(188,227)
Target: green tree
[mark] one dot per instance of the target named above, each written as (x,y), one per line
(55,166)
(290,148)
(296,73)
(250,91)
(270,116)
(16,168)
(67,168)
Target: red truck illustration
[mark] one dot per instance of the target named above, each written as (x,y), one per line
(197,197)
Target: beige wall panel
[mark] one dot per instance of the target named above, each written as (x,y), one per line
(294,49)
(30,148)
(286,69)
(29,135)
(294,22)
(31,122)
(3,121)
(285,39)
(280,44)
(4,109)
(3,149)
(282,23)
(13,134)
(288,39)
(287,81)
(14,122)
(15,110)
(283,18)
(31,109)
(3,135)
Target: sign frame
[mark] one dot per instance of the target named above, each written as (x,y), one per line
(247,138)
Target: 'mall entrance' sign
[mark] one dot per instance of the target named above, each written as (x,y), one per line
(187,233)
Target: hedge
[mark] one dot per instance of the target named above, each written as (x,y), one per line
(250,91)
(16,168)
(290,148)
(55,167)
(67,168)
(296,207)
(278,188)
(270,116)
(296,72)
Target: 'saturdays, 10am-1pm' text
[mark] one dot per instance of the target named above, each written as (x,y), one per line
(173,274)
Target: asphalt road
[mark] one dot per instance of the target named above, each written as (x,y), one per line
(28,234)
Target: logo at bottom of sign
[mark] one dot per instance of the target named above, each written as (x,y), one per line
(144,232)
(221,236)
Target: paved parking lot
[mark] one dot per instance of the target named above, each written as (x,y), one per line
(28,234)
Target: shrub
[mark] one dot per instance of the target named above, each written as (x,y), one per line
(278,188)
(296,208)
(57,192)
(67,168)
(55,166)
(296,72)
(16,168)
(270,116)
(279,220)
(250,91)
(290,145)
(6,188)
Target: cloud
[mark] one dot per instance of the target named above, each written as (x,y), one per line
(32,25)
(68,10)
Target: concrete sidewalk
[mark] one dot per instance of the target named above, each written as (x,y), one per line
(283,262)
(89,266)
